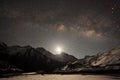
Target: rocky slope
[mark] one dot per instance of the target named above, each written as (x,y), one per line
(6,67)
(28,58)
(103,61)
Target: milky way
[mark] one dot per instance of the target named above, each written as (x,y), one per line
(80,27)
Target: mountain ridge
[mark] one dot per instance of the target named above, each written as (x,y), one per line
(106,61)
(30,59)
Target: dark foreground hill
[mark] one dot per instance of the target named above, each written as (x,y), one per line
(29,59)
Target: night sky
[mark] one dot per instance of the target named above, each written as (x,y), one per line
(79,27)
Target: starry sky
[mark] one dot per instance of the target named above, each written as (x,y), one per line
(79,27)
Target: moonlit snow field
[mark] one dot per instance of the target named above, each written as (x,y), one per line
(63,77)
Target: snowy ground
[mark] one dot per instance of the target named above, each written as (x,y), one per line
(63,77)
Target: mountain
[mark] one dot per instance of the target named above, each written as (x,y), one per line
(108,61)
(63,57)
(27,59)
(30,59)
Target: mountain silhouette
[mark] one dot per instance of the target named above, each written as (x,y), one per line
(30,59)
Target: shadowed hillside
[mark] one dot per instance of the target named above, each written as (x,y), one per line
(33,59)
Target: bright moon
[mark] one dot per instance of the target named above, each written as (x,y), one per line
(58,50)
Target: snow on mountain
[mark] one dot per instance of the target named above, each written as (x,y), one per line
(103,61)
